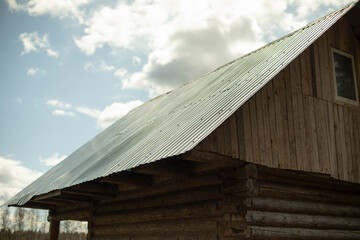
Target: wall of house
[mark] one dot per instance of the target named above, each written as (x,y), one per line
(248,202)
(295,121)
(298,205)
(179,209)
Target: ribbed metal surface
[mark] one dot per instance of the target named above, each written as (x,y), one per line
(176,122)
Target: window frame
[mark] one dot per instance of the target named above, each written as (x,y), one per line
(337,97)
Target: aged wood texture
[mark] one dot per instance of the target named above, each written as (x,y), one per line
(301,205)
(294,121)
(54,229)
(180,208)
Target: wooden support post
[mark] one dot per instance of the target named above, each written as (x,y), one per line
(54,227)
(91,221)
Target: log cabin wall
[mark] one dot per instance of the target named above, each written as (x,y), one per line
(295,122)
(204,206)
(248,202)
(178,209)
(300,205)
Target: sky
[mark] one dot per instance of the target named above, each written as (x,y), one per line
(70,68)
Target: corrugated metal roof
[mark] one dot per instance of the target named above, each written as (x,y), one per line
(176,122)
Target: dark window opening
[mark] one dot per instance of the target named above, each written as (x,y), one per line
(346,88)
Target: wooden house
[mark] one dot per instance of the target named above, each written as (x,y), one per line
(264,147)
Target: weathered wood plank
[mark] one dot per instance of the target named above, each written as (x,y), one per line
(317,68)
(220,139)
(266,120)
(302,207)
(292,77)
(322,137)
(281,120)
(313,71)
(82,214)
(213,142)
(254,131)
(308,143)
(227,138)
(185,211)
(326,81)
(128,178)
(171,186)
(211,158)
(348,160)
(331,140)
(206,144)
(353,162)
(308,220)
(241,133)
(164,199)
(247,132)
(158,236)
(286,191)
(356,160)
(275,233)
(174,226)
(272,122)
(234,136)
(260,125)
(343,143)
(305,69)
(338,144)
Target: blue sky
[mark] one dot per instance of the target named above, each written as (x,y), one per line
(70,68)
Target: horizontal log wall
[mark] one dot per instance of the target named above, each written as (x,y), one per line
(290,207)
(248,202)
(180,209)
(204,206)
(294,122)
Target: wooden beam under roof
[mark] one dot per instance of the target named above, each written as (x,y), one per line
(35,205)
(93,189)
(47,195)
(73,198)
(52,201)
(212,158)
(128,178)
(172,167)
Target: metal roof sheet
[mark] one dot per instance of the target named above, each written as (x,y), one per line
(176,122)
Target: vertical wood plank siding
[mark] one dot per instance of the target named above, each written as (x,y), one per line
(294,122)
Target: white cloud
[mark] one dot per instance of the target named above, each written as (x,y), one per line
(136,61)
(115,111)
(32,42)
(91,112)
(59,104)
(104,118)
(105,68)
(60,112)
(184,42)
(32,71)
(19,100)
(53,160)
(89,65)
(14,177)
(13,5)
(101,66)
(54,8)
(121,72)
(52,52)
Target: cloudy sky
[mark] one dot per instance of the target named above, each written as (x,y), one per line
(70,68)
